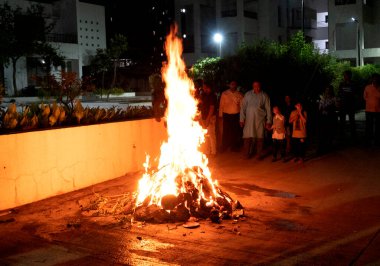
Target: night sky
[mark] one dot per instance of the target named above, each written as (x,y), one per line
(137,20)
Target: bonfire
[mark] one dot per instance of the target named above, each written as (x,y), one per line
(181,186)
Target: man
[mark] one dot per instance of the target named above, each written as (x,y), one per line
(255,116)
(346,104)
(208,103)
(372,110)
(229,112)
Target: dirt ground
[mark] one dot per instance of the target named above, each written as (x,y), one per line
(322,212)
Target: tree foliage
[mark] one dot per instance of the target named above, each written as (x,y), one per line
(18,39)
(118,46)
(209,69)
(108,59)
(294,68)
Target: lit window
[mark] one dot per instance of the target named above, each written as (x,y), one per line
(183,10)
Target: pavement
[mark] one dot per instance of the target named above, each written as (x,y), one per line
(324,211)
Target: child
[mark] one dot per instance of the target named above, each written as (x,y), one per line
(278,135)
(298,118)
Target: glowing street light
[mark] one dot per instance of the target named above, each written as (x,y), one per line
(218,38)
(358,38)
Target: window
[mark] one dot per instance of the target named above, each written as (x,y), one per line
(228,8)
(279,16)
(327,18)
(250,14)
(327,45)
(250,9)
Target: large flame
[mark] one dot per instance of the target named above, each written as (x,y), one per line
(181,161)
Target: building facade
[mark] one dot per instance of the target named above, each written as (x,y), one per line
(245,22)
(79,29)
(354,30)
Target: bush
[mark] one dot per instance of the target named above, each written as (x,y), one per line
(44,116)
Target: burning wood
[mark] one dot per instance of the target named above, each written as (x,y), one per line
(179,208)
(182,186)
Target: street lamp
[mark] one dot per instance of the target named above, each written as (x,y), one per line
(358,38)
(218,38)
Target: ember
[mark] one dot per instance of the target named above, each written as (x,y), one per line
(182,186)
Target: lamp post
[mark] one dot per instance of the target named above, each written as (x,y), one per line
(358,38)
(218,38)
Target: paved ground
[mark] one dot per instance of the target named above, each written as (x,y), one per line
(323,212)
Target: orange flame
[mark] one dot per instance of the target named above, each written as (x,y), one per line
(181,161)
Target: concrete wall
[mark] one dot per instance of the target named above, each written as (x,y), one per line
(37,165)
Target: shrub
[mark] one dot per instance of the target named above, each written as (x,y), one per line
(44,116)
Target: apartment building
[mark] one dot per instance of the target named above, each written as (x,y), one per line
(79,30)
(354,30)
(246,21)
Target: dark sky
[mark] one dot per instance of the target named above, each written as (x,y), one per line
(137,20)
(130,18)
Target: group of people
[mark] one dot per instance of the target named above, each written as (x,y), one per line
(247,119)
(246,122)
(334,110)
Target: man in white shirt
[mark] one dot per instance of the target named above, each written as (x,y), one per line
(229,112)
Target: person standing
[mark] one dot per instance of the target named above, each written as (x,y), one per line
(159,102)
(208,103)
(229,113)
(278,134)
(255,116)
(327,120)
(372,110)
(346,104)
(298,118)
(287,110)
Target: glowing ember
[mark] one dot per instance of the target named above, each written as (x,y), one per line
(183,179)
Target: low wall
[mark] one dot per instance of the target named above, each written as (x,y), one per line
(41,164)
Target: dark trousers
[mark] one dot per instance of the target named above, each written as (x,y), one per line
(231,132)
(327,132)
(342,123)
(279,145)
(253,146)
(372,127)
(299,147)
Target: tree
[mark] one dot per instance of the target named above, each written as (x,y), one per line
(208,69)
(118,46)
(22,33)
(101,63)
